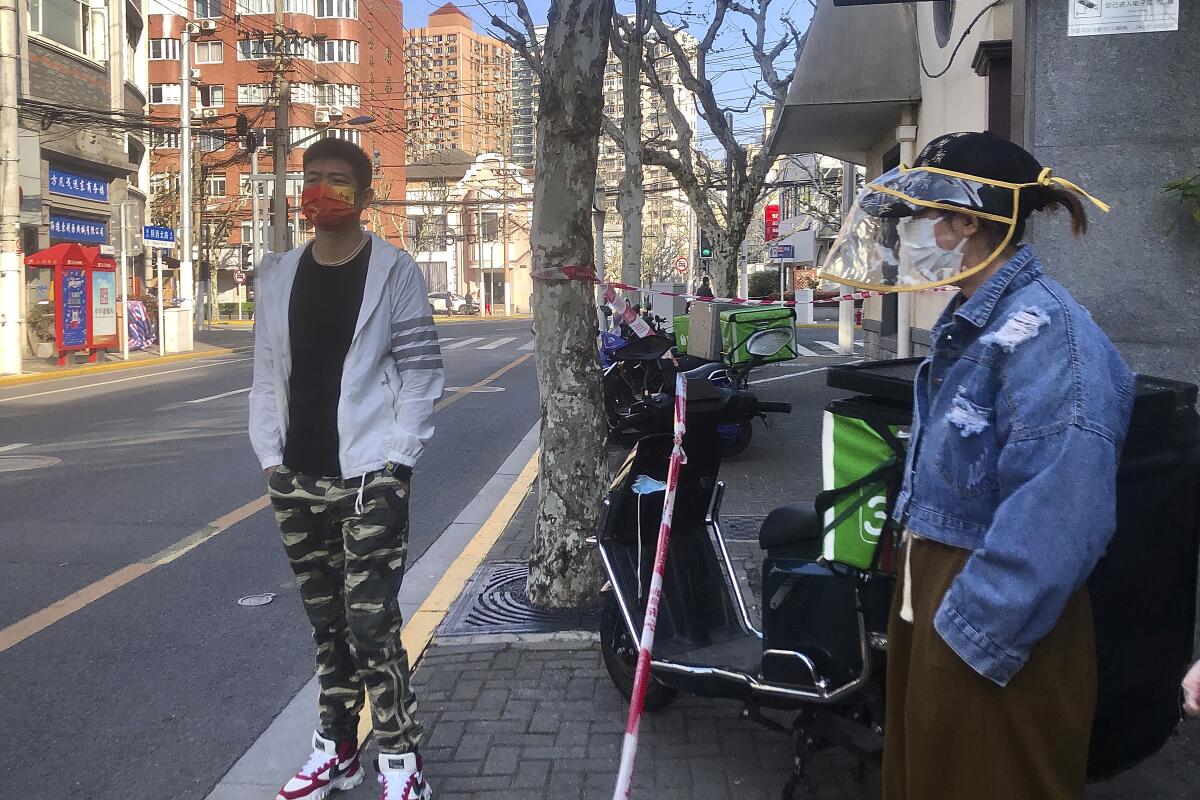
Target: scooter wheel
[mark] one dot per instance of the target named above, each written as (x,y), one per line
(620,654)
(731,448)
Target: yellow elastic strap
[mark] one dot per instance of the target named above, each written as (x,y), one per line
(1047,178)
(945,206)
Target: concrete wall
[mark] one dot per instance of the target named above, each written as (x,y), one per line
(1120,115)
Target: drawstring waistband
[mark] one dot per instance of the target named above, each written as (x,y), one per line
(362,489)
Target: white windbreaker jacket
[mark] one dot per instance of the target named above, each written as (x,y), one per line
(393,370)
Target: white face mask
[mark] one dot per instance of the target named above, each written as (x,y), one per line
(920,252)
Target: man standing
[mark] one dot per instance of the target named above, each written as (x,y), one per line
(346,371)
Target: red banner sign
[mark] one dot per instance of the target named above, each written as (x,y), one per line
(772,222)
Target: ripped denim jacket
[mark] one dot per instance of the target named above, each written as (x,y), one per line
(1020,413)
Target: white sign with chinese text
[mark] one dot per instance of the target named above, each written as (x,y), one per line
(1103,17)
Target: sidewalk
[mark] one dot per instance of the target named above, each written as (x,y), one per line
(220,339)
(535,717)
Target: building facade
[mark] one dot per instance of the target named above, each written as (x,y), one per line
(925,69)
(82,150)
(459,87)
(344,63)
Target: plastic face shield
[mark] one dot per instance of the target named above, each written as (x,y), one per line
(867,253)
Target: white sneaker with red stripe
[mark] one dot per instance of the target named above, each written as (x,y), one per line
(331,766)
(401,777)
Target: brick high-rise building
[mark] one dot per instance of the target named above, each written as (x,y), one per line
(459,87)
(344,60)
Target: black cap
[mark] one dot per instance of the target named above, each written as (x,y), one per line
(991,157)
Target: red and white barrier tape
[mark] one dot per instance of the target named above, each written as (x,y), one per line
(586,275)
(641,680)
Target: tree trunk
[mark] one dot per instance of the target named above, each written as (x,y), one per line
(564,569)
(631,196)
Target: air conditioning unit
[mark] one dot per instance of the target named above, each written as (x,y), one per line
(321,116)
(336,112)
(194,74)
(208,26)
(208,113)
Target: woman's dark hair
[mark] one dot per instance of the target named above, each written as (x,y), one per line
(1039,198)
(342,150)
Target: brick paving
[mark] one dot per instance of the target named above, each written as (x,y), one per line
(540,720)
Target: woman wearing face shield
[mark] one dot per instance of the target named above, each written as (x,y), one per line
(1020,411)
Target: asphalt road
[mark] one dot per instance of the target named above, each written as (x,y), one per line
(154,689)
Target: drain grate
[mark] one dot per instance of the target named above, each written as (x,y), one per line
(495,601)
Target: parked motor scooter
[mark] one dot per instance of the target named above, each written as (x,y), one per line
(821,652)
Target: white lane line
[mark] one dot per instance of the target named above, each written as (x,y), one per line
(219,396)
(804,351)
(798,374)
(831,345)
(8,447)
(528,345)
(122,380)
(463,343)
(497,343)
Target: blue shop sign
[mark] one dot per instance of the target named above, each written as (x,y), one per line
(73,229)
(72,184)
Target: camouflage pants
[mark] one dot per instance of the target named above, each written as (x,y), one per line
(349,567)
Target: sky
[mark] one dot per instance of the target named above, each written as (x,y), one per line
(733,70)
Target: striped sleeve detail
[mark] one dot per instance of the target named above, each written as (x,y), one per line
(415,345)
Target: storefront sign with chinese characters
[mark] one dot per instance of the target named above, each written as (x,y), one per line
(74,229)
(83,187)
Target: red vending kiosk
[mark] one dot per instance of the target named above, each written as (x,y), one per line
(84,298)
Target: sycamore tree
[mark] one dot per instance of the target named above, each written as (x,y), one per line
(569,65)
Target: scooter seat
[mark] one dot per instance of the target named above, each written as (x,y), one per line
(796,527)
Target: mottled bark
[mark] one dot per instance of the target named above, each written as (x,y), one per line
(631,197)
(564,569)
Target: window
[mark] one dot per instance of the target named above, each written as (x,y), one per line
(258,49)
(214,186)
(72,24)
(210,142)
(164,49)
(337,94)
(338,50)
(164,93)
(253,94)
(164,139)
(349,134)
(255,7)
(296,135)
(943,21)
(212,96)
(299,7)
(208,9)
(344,9)
(209,52)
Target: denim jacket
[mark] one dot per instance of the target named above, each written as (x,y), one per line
(1020,412)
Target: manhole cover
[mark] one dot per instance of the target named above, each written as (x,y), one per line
(495,602)
(474,389)
(252,600)
(22,463)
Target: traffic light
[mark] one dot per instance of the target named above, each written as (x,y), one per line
(248,136)
(706,248)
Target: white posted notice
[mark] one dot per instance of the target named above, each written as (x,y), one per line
(1101,17)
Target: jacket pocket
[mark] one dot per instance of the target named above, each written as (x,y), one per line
(966,455)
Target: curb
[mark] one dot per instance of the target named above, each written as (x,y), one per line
(71,372)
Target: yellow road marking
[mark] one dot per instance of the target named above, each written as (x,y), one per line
(466,390)
(22,629)
(38,621)
(418,630)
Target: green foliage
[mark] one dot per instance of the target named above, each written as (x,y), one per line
(231,310)
(763,284)
(1188,190)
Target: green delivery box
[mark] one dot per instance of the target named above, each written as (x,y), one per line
(738,325)
(681,332)
(859,437)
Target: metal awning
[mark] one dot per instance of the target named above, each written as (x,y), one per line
(858,71)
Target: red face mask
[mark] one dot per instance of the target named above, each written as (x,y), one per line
(328,207)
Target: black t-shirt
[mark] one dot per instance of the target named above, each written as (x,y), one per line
(322,315)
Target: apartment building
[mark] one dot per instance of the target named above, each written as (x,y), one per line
(459,87)
(344,61)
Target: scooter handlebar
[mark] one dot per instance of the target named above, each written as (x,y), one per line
(769,406)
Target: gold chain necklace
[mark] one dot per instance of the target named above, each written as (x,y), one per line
(345,260)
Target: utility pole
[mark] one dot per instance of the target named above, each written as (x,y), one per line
(255,230)
(280,240)
(186,274)
(11,269)
(123,215)
(846,307)
(504,234)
